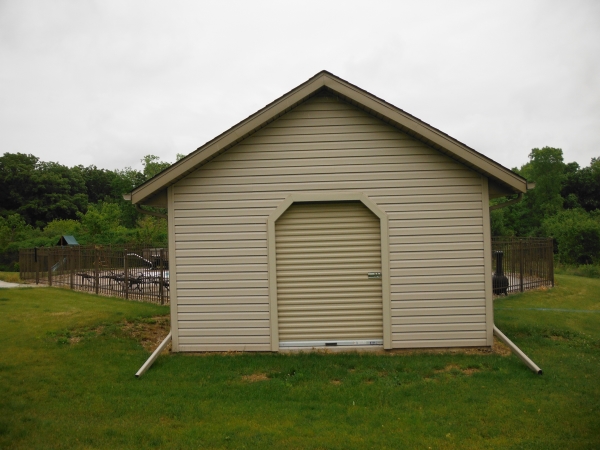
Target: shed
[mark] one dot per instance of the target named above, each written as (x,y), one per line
(330,218)
(67,240)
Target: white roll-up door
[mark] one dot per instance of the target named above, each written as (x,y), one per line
(329,275)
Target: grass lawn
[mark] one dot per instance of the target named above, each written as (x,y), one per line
(67,365)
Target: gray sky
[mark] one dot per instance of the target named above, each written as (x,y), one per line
(107,82)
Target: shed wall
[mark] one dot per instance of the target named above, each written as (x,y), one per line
(434,205)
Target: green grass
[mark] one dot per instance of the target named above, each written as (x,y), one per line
(585,270)
(67,381)
(10,277)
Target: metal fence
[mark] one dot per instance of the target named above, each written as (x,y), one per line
(521,264)
(134,273)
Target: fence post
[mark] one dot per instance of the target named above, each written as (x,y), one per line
(71,263)
(96,274)
(551,259)
(50,259)
(126,274)
(37,266)
(521,265)
(161,280)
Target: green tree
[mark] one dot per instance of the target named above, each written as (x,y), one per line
(577,233)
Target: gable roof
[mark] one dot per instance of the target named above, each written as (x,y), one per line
(505,179)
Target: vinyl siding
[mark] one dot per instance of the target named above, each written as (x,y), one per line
(434,206)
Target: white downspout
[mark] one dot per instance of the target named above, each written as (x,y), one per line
(153,356)
(499,334)
(517,351)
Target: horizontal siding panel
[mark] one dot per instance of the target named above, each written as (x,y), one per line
(224,316)
(261,324)
(437,327)
(438,262)
(329,180)
(201,221)
(218,292)
(224,332)
(222,260)
(225,347)
(439,335)
(440,214)
(400,142)
(184,247)
(237,300)
(322,161)
(445,287)
(220,276)
(433,238)
(231,204)
(281,172)
(181,237)
(333,137)
(233,269)
(233,284)
(369,186)
(437,312)
(198,340)
(316,132)
(437,271)
(464,318)
(440,343)
(436,279)
(442,303)
(216,213)
(323,119)
(398,226)
(259,153)
(437,247)
(436,295)
(398,255)
(434,206)
(224,252)
(243,308)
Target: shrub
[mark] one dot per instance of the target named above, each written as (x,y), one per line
(577,233)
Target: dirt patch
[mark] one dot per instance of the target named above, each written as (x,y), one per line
(255,377)
(451,367)
(149,332)
(336,382)
(558,338)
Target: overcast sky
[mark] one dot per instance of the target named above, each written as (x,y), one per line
(107,82)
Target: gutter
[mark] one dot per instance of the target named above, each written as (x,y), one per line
(499,334)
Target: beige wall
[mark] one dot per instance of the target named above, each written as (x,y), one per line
(434,205)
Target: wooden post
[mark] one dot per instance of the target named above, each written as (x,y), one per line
(551,259)
(96,274)
(71,263)
(126,274)
(50,259)
(161,279)
(37,266)
(521,264)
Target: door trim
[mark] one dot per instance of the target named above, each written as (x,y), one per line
(385,255)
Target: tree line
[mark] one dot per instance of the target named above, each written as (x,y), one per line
(564,205)
(40,201)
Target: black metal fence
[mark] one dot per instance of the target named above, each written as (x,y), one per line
(521,264)
(135,273)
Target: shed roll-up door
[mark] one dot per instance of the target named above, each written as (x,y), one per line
(329,275)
